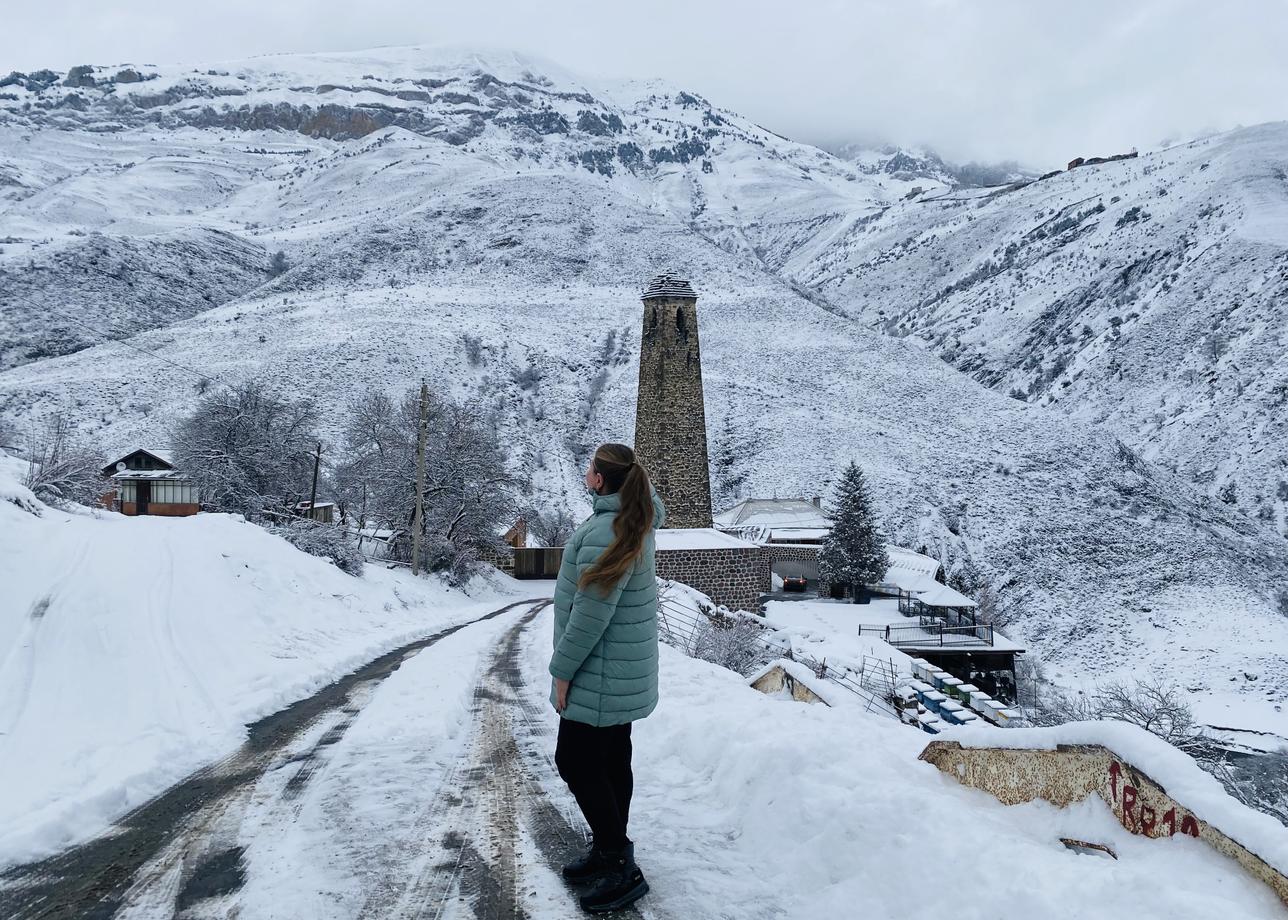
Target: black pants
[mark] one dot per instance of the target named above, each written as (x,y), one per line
(596,765)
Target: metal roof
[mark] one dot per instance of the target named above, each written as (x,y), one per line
(149,474)
(161,454)
(775,512)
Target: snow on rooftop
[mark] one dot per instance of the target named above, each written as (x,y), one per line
(798,534)
(148,474)
(164,454)
(699,538)
(910,571)
(944,596)
(667,285)
(775,512)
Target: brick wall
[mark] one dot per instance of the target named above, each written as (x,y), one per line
(735,577)
(162,509)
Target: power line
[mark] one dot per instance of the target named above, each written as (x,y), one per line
(107,337)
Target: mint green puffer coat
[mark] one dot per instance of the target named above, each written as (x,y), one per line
(606,645)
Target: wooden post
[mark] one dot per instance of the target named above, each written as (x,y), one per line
(419,517)
(313,494)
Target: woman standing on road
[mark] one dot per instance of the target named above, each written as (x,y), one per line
(605,666)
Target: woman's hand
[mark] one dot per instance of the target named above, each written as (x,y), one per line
(561,694)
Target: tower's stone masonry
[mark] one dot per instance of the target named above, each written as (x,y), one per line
(670,418)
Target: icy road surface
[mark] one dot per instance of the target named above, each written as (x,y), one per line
(422,785)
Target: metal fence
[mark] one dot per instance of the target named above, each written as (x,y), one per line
(872,680)
(931,634)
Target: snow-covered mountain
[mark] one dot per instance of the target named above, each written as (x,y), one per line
(486,221)
(1148,294)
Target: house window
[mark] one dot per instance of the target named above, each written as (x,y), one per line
(128,492)
(173,492)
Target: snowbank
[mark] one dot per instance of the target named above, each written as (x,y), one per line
(751,806)
(135,650)
(827,692)
(1184,780)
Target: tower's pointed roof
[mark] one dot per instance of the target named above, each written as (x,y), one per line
(668,285)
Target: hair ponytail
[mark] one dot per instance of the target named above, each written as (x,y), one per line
(624,476)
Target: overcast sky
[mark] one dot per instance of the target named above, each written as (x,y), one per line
(1032,80)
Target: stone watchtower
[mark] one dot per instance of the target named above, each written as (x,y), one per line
(670,417)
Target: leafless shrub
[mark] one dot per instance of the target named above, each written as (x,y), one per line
(552,527)
(473,349)
(1158,708)
(61,468)
(731,643)
(528,379)
(325,541)
(278,264)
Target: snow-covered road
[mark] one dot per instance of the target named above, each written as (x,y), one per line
(417,796)
(422,786)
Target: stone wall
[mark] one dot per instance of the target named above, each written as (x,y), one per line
(1072,772)
(776,678)
(735,577)
(670,415)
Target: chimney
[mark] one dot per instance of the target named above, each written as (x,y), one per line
(817,501)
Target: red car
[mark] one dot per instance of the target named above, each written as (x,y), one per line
(793,582)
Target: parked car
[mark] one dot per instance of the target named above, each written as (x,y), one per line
(793,582)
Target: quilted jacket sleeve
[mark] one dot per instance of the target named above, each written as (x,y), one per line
(592,611)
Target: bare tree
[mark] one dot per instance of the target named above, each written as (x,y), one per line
(60,467)
(249,449)
(1157,707)
(468,490)
(1154,706)
(552,527)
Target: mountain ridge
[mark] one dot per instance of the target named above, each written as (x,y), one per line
(531,229)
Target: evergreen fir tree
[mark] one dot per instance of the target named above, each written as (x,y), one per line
(853,553)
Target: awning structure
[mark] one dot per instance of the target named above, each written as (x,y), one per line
(148,474)
(944,596)
(909,571)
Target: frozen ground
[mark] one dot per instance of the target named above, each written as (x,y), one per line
(135,650)
(431,792)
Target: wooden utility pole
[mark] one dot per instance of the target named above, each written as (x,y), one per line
(313,494)
(419,518)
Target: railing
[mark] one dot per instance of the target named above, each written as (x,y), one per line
(930,634)
(873,682)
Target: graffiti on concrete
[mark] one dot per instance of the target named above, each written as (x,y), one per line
(1141,818)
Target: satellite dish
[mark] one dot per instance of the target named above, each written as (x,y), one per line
(120,466)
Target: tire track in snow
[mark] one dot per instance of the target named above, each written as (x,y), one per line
(18,669)
(492,826)
(158,849)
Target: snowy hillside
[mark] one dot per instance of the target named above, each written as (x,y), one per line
(135,650)
(1150,295)
(487,222)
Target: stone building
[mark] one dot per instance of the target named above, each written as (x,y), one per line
(670,416)
(726,568)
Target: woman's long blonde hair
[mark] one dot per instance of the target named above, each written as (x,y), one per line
(623,475)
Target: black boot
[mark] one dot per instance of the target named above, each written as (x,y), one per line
(589,868)
(621,884)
